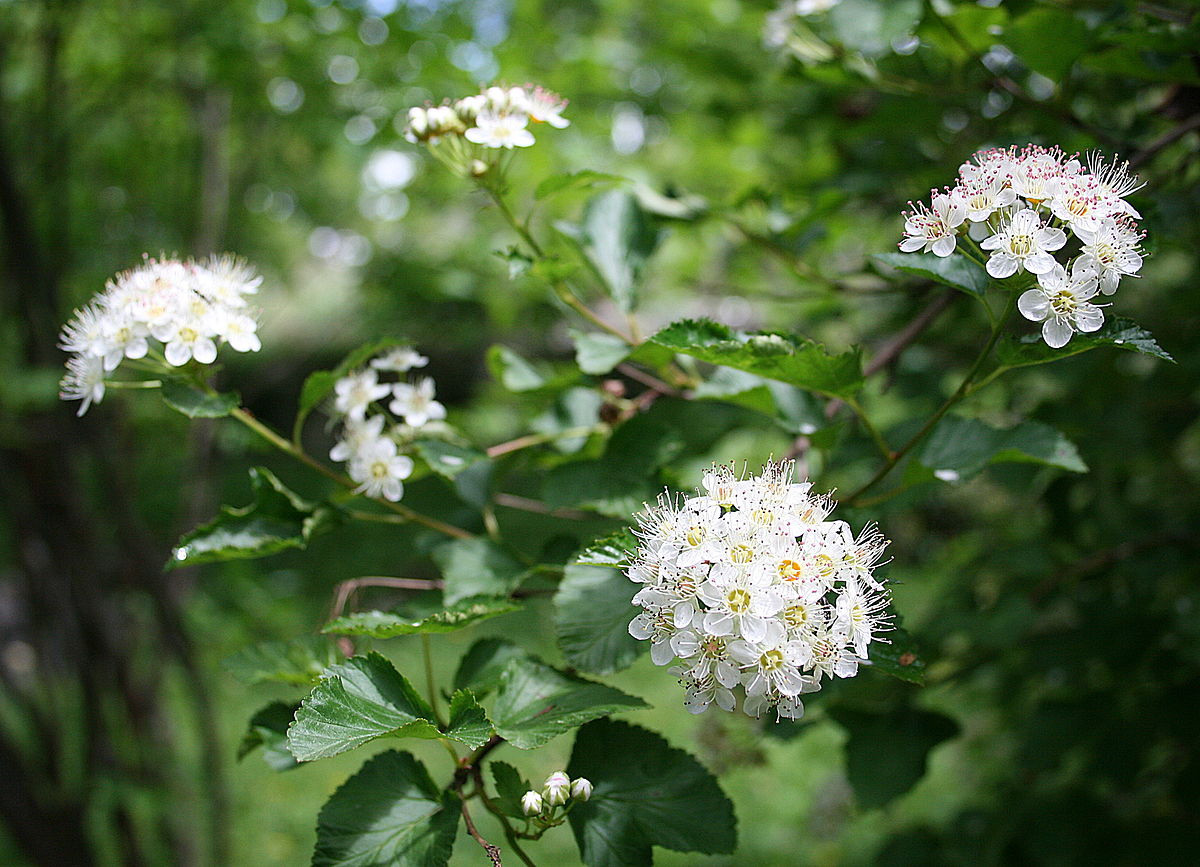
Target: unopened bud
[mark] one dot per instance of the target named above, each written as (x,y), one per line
(531,803)
(581,789)
(558,787)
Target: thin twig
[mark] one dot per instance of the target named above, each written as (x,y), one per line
(492,850)
(1164,141)
(525,504)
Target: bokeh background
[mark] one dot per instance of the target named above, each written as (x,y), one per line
(1059,614)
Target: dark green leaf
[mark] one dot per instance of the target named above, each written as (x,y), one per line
(573,409)
(593,607)
(795,410)
(483,665)
(1121,333)
(476,567)
(277,519)
(358,701)
(1048,40)
(617,237)
(515,373)
(319,384)
(960,447)
(613,550)
(389,624)
(898,658)
(198,403)
(268,729)
(468,469)
(794,360)
(468,722)
(598,353)
(510,786)
(955,270)
(389,814)
(574,180)
(646,793)
(299,662)
(536,703)
(886,754)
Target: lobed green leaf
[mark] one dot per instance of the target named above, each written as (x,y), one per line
(536,703)
(362,699)
(194,402)
(402,621)
(468,721)
(956,270)
(268,729)
(593,607)
(389,814)
(476,567)
(482,667)
(1120,333)
(646,793)
(960,447)
(795,360)
(278,519)
(299,662)
(898,657)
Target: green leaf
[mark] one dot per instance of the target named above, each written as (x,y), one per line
(277,519)
(956,271)
(268,729)
(617,237)
(469,470)
(510,786)
(574,181)
(468,722)
(389,814)
(476,567)
(646,793)
(618,483)
(575,408)
(961,447)
(1049,41)
(613,550)
(319,384)
(593,607)
(887,754)
(518,262)
(299,662)
(518,375)
(898,658)
(362,699)
(1121,333)
(389,624)
(482,667)
(794,360)
(537,703)
(194,402)
(598,353)
(870,27)
(795,410)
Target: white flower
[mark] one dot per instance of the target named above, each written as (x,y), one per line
(1062,303)
(531,803)
(354,393)
(500,130)
(1023,244)
(84,381)
(187,338)
(401,360)
(581,789)
(545,106)
(415,403)
(985,196)
(1113,251)
(814,7)
(933,229)
(357,435)
(380,471)
(744,584)
(557,789)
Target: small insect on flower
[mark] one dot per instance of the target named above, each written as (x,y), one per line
(754,592)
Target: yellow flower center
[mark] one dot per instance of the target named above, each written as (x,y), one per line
(796,615)
(695,536)
(741,554)
(1022,245)
(739,600)
(771,660)
(789,570)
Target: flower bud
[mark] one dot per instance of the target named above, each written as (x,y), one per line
(581,789)
(557,790)
(531,803)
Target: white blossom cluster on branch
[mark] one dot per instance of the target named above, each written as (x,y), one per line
(462,133)
(189,308)
(371,436)
(1039,211)
(755,591)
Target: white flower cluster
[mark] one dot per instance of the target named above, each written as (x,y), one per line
(558,791)
(372,455)
(751,586)
(499,117)
(189,307)
(1040,211)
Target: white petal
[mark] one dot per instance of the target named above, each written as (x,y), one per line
(1056,332)
(661,652)
(1001,265)
(1034,305)
(944,246)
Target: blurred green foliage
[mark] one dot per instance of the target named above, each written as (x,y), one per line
(1058,613)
